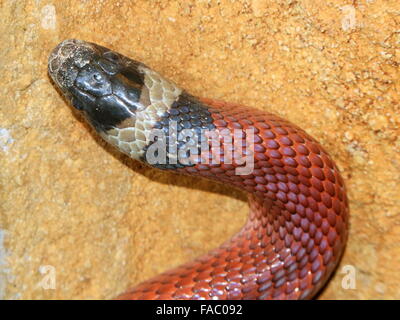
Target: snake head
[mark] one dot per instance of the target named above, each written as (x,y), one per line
(103,84)
(124,100)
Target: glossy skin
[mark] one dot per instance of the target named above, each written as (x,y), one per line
(297,227)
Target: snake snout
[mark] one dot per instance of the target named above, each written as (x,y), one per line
(66,59)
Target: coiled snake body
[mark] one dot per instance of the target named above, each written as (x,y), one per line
(297,227)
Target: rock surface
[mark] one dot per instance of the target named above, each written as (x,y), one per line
(79,221)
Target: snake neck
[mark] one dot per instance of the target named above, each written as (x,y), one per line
(297,226)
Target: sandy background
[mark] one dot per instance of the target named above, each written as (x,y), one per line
(72,208)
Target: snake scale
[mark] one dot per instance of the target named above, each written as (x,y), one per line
(298,222)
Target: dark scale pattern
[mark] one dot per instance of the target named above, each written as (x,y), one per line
(191,118)
(297,227)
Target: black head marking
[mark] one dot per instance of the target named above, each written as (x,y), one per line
(106,86)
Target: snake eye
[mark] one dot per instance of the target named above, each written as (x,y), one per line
(91,80)
(97,77)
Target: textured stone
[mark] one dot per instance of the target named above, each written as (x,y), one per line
(104,222)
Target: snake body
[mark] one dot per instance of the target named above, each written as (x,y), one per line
(298,222)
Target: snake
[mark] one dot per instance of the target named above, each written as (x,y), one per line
(298,221)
